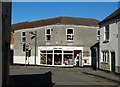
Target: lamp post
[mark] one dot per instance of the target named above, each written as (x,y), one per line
(34,35)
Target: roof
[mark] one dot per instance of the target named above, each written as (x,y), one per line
(95,45)
(114,15)
(57,20)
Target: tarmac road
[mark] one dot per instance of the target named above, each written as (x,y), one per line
(58,76)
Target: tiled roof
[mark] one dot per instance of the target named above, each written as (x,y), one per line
(57,20)
(115,14)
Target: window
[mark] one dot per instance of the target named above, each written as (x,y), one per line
(23,33)
(46,57)
(85,61)
(68,57)
(23,37)
(106,33)
(98,34)
(69,34)
(48,34)
(105,55)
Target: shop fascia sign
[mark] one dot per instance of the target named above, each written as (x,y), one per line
(57,48)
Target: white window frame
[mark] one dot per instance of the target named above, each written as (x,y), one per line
(105,31)
(23,36)
(105,56)
(47,34)
(72,35)
(98,34)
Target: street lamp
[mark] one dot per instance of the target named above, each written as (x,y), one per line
(34,35)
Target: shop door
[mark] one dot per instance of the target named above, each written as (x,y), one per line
(112,62)
(78,58)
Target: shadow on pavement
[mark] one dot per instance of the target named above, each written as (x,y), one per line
(34,80)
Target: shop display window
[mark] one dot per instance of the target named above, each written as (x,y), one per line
(43,58)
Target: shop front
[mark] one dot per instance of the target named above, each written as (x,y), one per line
(60,55)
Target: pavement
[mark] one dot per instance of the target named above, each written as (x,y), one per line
(102,74)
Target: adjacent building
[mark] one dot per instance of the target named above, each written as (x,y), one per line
(110,42)
(60,41)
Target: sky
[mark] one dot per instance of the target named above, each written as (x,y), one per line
(32,11)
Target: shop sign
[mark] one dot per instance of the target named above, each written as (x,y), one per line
(57,48)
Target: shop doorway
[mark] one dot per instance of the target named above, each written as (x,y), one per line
(112,62)
(77,58)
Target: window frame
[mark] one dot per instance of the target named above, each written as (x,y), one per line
(105,56)
(23,36)
(71,35)
(48,34)
(98,34)
(106,33)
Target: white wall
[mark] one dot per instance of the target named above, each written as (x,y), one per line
(118,61)
(21,60)
(86,58)
(112,45)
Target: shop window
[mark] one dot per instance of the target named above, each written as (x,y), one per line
(49,59)
(68,51)
(57,51)
(58,59)
(69,34)
(48,34)
(50,51)
(46,57)
(43,51)
(68,58)
(105,55)
(43,58)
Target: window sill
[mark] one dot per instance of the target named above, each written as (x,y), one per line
(69,41)
(105,41)
(47,41)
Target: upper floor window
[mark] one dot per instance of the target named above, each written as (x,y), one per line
(48,34)
(69,34)
(98,34)
(23,37)
(106,33)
